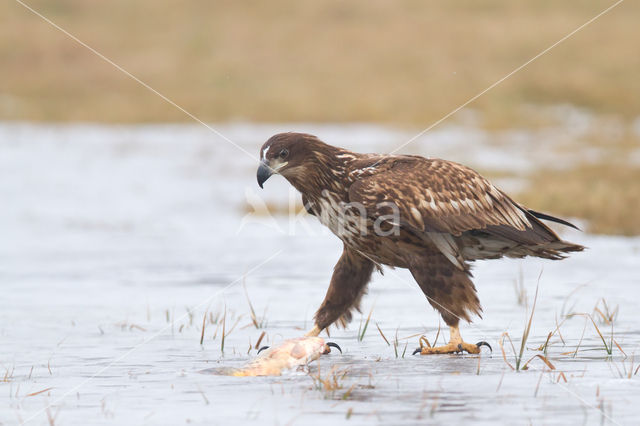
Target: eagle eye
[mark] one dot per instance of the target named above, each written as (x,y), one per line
(283,154)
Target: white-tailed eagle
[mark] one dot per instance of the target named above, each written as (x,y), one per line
(430,216)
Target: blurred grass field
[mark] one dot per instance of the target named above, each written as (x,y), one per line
(388,62)
(605,194)
(404,63)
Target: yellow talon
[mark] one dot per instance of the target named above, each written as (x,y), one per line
(424,343)
(451,348)
(455,345)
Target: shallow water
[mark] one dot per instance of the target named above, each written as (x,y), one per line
(117,241)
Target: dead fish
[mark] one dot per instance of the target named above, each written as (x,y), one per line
(292,353)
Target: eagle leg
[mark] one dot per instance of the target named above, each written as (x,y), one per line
(455,345)
(314,332)
(348,284)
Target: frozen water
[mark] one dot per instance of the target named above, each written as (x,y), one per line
(116,241)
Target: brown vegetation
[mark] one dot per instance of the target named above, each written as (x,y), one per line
(406,62)
(379,61)
(606,195)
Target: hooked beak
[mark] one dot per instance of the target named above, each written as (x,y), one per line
(264,172)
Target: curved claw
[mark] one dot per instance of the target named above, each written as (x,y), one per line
(417,351)
(263,348)
(483,343)
(332,345)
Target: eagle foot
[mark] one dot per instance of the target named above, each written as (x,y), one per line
(450,348)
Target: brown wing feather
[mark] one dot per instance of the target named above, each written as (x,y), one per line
(439,196)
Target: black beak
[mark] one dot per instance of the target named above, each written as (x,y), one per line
(264,172)
(329,345)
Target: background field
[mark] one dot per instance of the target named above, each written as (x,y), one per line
(404,64)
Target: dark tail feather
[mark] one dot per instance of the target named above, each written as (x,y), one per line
(552,219)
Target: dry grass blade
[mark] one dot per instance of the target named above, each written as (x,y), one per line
(39,392)
(606,315)
(395,344)
(235,324)
(608,347)
(257,346)
(546,343)
(204,324)
(349,413)
(620,374)
(224,323)
(204,397)
(561,376)
(527,330)
(545,346)
(603,316)
(435,341)
(504,354)
(575,353)
(8,374)
(366,324)
(521,291)
(424,342)
(347,394)
(535,394)
(215,333)
(331,382)
(627,373)
(557,330)
(382,334)
(254,318)
(500,382)
(525,336)
(50,418)
(543,358)
(410,337)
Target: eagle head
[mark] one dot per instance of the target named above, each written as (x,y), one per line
(287,154)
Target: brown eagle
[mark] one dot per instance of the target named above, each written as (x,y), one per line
(430,216)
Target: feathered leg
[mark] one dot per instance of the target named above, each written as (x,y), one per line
(348,284)
(451,292)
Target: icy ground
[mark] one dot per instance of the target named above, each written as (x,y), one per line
(117,241)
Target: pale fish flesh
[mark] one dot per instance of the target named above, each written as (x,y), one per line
(290,354)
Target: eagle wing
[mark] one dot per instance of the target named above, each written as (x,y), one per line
(443,199)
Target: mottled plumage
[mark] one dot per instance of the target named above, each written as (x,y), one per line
(431,216)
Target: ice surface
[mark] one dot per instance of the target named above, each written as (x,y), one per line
(116,240)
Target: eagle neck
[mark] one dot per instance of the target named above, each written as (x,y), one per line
(327,170)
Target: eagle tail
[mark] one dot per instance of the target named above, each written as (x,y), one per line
(555,250)
(552,219)
(501,240)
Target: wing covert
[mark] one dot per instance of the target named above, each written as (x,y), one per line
(434,195)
